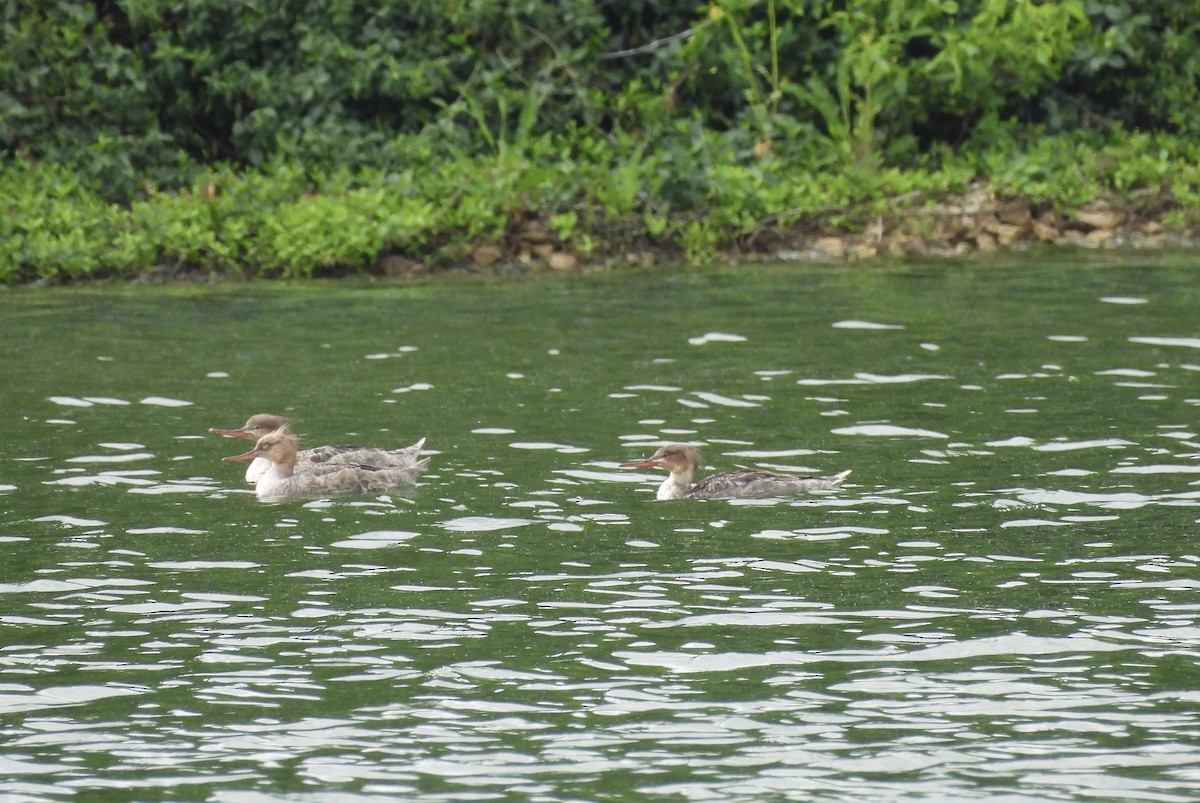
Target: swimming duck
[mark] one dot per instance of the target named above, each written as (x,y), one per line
(285,479)
(257,426)
(683,461)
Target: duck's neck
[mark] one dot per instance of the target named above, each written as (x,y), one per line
(275,481)
(676,486)
(284,468)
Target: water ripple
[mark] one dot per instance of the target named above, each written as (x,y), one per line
(1002,607)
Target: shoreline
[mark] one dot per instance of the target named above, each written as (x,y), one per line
(974,223)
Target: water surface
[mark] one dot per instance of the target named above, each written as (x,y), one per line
(1001,604)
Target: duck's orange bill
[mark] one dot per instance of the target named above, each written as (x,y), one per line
(231,433)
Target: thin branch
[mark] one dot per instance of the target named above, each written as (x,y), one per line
(649,46)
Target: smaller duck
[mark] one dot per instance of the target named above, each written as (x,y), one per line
(284,480)
(683,461)
(261,424)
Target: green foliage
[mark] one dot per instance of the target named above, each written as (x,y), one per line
(54,227)
(284,221)
(317,135)
(136,90)
(141,91)
(904,68)
(263,223)
(1070,171)
(1139,68)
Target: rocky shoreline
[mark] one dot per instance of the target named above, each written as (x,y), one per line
(974,223)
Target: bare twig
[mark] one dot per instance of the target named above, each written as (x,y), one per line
(649,46)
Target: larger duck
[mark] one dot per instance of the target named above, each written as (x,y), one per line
(683,461)
(284,479)
(307,460)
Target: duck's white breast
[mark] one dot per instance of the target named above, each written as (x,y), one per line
(258,466)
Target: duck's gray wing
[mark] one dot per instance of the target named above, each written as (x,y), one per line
(745,483)
(363,456)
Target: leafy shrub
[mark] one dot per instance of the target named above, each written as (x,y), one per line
(141,91)
(291,139)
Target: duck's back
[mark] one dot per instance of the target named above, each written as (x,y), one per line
(335,479)
(373,480)
(321,456)
(746,483)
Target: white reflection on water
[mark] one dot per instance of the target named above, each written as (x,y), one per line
(820,533)
(615,475)
(1157,469)
(863,378)
(106,478)
(716,337)
(727,401)
(658,388)
(864,325)
(376,539)
(561,448)
(888,431)
(1065,446)
(166,401)
(23,699)
(203,486)
(417,708)
(765,453)
(71,521)
(480,524)
(1119,500)
(1060,444)
(1185,342)
(200,565)
(941,630)
(164,531)
(111,458)
(70,401)
(1008,645)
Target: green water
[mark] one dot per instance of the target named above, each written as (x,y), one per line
(1001,604)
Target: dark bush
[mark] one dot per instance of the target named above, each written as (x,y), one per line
(303,136)
(141,91)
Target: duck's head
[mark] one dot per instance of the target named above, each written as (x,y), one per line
(278,446)
(256,426)
(678,458)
